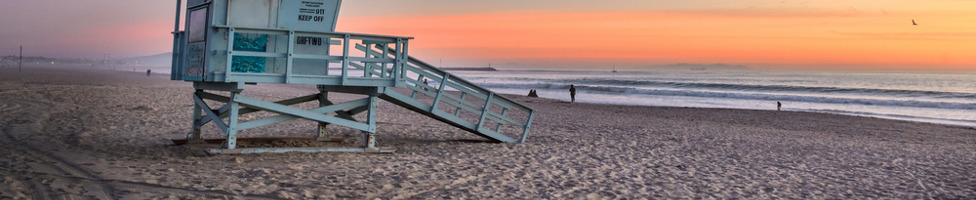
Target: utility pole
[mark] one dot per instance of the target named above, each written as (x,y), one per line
(20,61)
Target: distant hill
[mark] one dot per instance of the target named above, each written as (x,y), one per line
(158,60)
(688,66)
(470,68)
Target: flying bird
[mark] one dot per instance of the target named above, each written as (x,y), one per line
(913,23)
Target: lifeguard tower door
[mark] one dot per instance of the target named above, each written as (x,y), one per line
(198,18)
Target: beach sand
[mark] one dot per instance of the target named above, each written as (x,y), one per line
(107,135)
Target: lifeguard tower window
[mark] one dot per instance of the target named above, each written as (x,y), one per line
(198,25)
(253,42)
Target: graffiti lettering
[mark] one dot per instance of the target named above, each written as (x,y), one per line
(303,40)
(194,71)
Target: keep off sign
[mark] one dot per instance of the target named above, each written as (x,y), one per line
(311,15)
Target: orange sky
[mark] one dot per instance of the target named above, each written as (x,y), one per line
(579,34)
(833,40)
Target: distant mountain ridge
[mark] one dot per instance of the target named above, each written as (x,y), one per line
(469,68)
(689,66)
(158,60)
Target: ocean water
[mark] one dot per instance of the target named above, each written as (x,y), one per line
(934,97)
(945,98)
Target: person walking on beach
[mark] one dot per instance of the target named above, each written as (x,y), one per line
(778,105)
(572,93)
(425,83)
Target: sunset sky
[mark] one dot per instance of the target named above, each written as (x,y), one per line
(575,34)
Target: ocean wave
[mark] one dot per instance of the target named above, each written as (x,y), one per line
(564,84)
(525,85)
(739,95)
(895,116)
(780,97)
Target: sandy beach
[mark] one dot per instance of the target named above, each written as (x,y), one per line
(102,134)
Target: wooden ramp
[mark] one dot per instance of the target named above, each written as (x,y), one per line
(464,105)
(450,99)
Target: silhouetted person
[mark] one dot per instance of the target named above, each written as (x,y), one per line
(572,93)
(779,105)
(148,71)
(425,84)
(532,93)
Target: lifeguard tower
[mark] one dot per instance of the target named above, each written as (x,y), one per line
(229,44)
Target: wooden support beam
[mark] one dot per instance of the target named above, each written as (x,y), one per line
(345,60)
(323,97)
(356,104)
(281,109)
(289,60)
(232,122)
(213,97)
(292,101)
(211,115)
(197,118)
